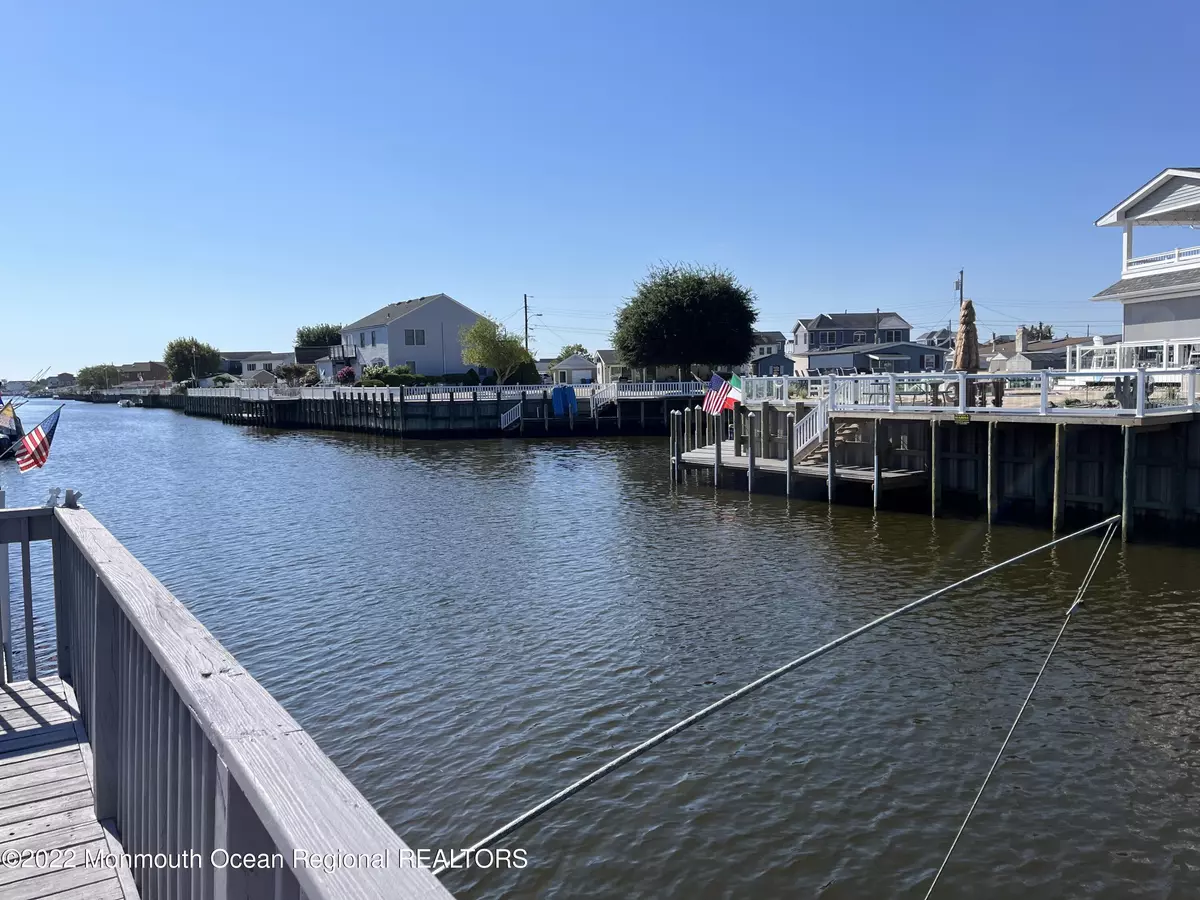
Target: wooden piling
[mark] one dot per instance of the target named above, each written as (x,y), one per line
(677,432)
(1127,481)
(934,473)
(876,475)
(1060,450)
(790,451)
(717,463)
(642,403)
(737,429)
(751,450)
(546,409)
(831,478)
(764,428)
(689,433)
(993,498)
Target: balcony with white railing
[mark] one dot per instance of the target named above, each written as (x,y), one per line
(1169,260)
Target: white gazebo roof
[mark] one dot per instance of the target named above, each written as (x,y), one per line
(1172,197)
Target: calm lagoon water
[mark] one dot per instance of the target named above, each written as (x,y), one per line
(465,628)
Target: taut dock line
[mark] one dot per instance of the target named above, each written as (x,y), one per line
(634,752)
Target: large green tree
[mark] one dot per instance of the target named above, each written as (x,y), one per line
(187,358)
(325,334)
(570,350)
(487,343)
(96,378)
(683,314)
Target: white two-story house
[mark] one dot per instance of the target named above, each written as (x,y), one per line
(1159,293)
(421,333)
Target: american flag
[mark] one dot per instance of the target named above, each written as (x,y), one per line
(34,448)
(715,396)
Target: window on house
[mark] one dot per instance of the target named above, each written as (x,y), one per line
(372,338)
(250,367)
(412,366)
(269,366)
(929,362)
(362,339)
(860,337)
(828,337)
(414,337)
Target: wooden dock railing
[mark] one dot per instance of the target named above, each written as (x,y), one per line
(190,753)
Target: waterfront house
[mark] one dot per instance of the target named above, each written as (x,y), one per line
(833,331)
(774,364)
(231,360)
(421,334)
(894,356)
(942,338)
(265,362)
(610,368)
(1021,355)
(1159,292)
(543,368)
(575,369)
(260,378)
(143,371)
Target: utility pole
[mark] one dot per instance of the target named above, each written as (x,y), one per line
(959,284)
(526,322)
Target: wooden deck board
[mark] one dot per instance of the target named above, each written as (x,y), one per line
(46,800)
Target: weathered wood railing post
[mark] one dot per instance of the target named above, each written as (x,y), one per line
(737,429)
(1141,393)
(104,708)
(27,586)
(750,452)
(1044,401)
(687,429)
(237,830)
(5,622)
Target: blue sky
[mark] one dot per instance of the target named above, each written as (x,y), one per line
(233,170)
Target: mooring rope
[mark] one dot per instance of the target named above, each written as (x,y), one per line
(695,717)
(1083,586)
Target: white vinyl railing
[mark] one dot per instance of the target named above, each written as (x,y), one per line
(1131,392)
(810,431)
(511,416)
(1133,355)
(1165,260)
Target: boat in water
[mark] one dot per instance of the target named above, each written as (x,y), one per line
(11,429)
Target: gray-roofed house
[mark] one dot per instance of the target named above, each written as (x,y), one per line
(1160,292)
(1021,355)
(892,356)
(832,331)
(420,333)
(941,337)
(253,363)
(574,369)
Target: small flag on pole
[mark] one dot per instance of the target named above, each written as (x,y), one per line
(716,395)
(34,449)
(735,392)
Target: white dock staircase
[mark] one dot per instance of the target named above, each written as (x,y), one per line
(811,430)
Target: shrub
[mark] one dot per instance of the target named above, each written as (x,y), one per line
(311,378)
(401,370)
(391,379)
(222,380)
(346,375)
(471,377)
(375,373)
(371,382)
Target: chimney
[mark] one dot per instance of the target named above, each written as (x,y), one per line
(1020,339)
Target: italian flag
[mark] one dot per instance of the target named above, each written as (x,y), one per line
(735,392)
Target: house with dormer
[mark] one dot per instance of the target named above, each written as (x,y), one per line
(836,331)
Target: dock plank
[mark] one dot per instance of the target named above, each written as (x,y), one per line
(47,801)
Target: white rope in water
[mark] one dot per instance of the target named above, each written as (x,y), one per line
(691,720)
(1083,586)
